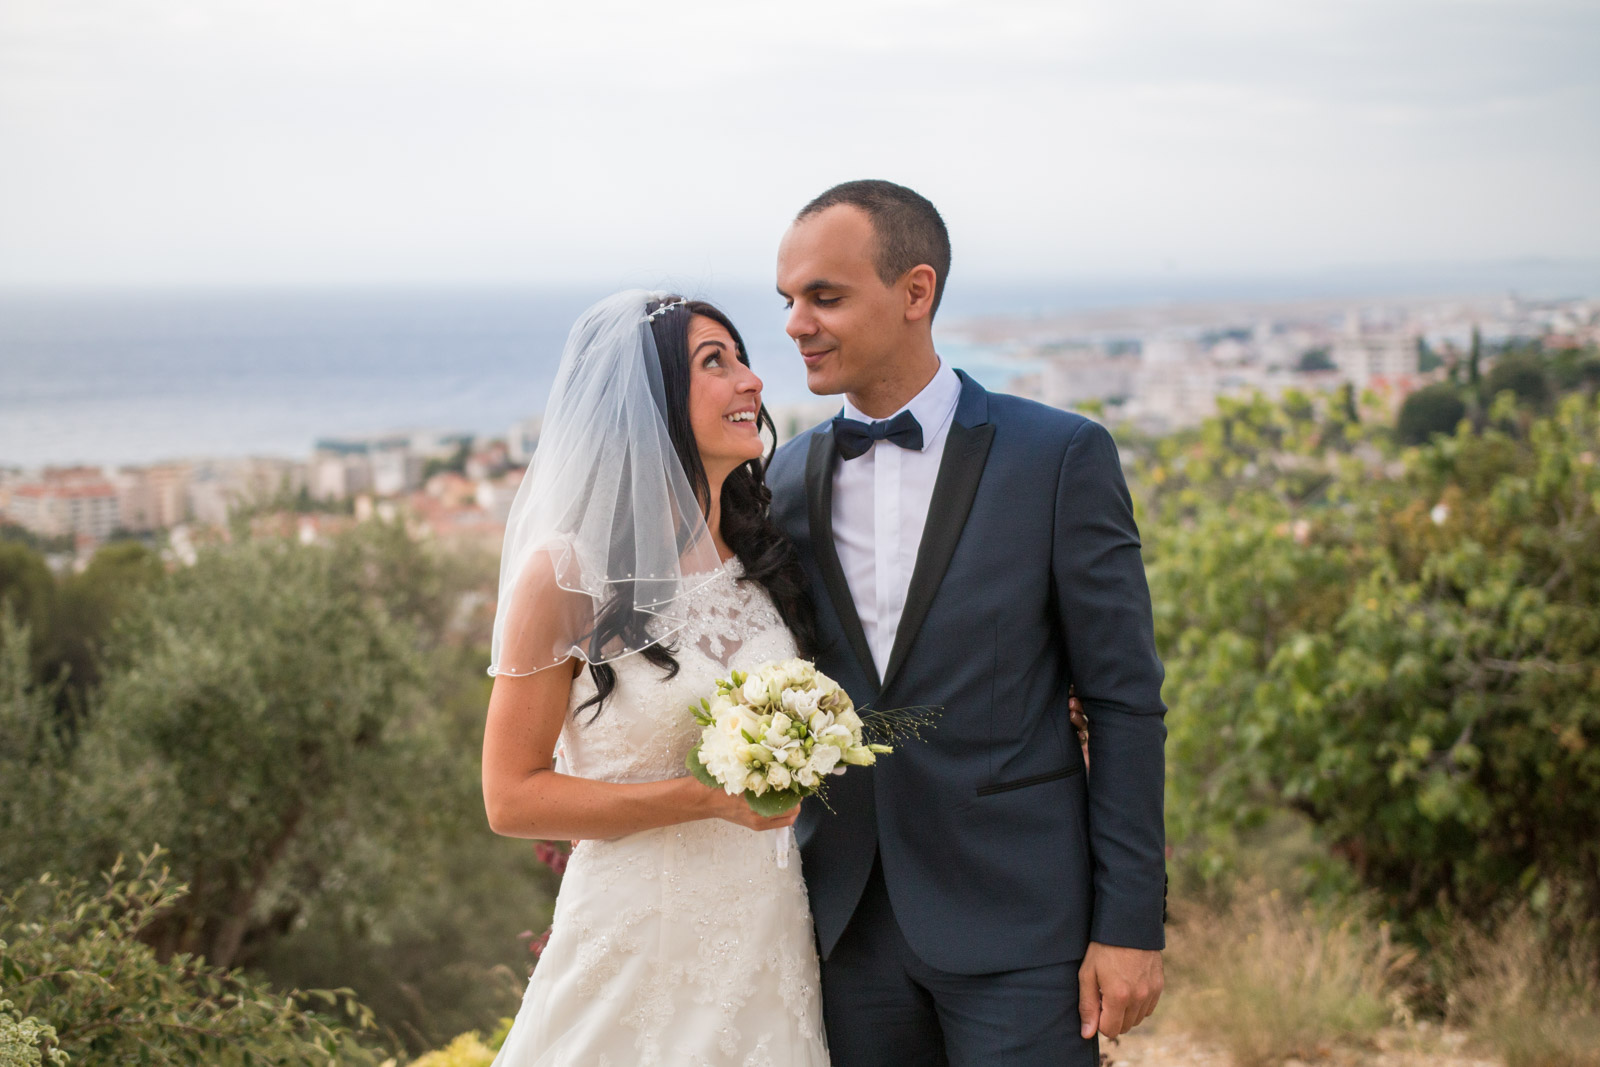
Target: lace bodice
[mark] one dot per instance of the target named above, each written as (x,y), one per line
(645,730)
(687,945)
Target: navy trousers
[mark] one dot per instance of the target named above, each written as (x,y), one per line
(885,1007)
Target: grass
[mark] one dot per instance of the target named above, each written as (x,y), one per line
(1527,995)
(1268,979)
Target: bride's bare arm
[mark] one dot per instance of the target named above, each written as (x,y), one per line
(525,797)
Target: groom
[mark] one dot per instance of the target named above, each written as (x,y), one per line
(979,898)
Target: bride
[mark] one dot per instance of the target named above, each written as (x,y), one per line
(640,566)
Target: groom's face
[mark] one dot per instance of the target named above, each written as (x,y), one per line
(846,322)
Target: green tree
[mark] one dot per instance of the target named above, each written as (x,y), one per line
(34,756)
(1431,410)
(1427,358)
(1315,359)
(1405,658)
(261,715)
(28,586)
(87,607)
(1523,374)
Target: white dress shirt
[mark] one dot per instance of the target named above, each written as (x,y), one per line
(880,505)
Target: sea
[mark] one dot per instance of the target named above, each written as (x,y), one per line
(128,377)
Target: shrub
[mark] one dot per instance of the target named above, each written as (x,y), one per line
(1435,409)
(72,961)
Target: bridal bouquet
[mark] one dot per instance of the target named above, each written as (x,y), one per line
(776,734)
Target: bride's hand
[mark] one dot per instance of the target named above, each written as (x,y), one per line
(719,805)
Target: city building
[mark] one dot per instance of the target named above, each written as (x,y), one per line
(78,506)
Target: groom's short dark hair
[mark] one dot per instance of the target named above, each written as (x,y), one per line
(908,227)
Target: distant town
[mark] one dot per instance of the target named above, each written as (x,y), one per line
(1155,369)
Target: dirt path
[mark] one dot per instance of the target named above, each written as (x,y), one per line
(1423,1047)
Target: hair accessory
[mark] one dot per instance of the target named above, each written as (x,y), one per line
(665,308)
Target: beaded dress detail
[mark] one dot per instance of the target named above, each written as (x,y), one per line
(687,945)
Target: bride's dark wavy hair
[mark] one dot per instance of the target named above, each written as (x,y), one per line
(768,557)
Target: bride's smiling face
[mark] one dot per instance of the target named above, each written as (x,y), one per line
(724,399)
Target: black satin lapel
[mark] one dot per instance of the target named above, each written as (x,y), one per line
(820,462)
(966,449)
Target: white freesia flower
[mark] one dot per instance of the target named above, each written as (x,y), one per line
(777,735)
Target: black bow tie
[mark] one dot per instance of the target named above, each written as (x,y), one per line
(853,437)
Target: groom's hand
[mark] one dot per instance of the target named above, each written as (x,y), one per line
(1080,722)
(1117,988)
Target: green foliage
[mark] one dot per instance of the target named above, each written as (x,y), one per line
(301,724)
(259,716)
(1427,358)
(1406,654)
(72,961)
(1575,370)
(27,585)
(25,1041)
(1430,411)
(1521,373)
(88,605)
(1315,359)
(33,755)
(466,1050)
(456,463)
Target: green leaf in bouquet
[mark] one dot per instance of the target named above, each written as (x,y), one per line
(698,769)
(773,802)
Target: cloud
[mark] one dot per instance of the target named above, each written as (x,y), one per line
(418,140)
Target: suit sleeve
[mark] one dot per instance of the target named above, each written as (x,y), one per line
(1104,605)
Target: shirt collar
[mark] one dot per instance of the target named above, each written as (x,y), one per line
(932,408)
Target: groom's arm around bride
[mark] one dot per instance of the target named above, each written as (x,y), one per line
(977,898)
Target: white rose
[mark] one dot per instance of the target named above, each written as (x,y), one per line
(796,757)
(755,689)
(801,703)
(756,782)
(778,776)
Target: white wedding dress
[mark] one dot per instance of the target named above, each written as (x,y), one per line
(689,945)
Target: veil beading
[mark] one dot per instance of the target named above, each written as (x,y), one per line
(605,510)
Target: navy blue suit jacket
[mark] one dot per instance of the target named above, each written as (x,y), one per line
(999,852)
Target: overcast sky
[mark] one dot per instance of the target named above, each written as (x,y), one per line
(468,141)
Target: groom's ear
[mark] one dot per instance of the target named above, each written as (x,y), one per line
(920,285)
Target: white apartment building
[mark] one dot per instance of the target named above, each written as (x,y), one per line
(337,477)
(1371,359)
(153,498)
(52,509)
(1068,380)
(395,471)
